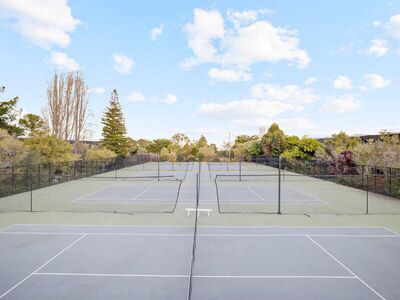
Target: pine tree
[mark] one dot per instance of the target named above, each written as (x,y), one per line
(114,130)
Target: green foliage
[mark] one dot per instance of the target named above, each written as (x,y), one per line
(9,115)
(96,152)
(114,130)
(304,148)
(191,157)
(383,152)
(207,153)
(51,149)
(164,154)
(273,142)
(32,124)
(338,143)
(241,139)
(172,157)
(12,151)
(202,142)
(157,145)
(180,139)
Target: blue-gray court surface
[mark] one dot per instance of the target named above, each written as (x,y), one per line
(149,262)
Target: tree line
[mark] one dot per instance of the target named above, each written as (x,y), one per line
(58,135)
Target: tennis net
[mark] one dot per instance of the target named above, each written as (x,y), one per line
(189,293)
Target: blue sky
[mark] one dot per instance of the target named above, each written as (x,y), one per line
(212,67)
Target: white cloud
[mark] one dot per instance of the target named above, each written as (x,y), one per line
(169,99)
(287,93)
(207,25)
(379,47)
(229,75)
(342,83)
(240,46)
(156,32)
(239,18)
(341,104)
(376,81)
(242,111)
(122,63)
(393,26)
(62,61)
(44,23)
(136,96)
(96,90)
(286,124)
(311,80)
(268,101)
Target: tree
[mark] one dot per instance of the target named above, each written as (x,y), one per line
(202,142)
(32,124)
(304,148)
(172,157)
(180,139)
(207,153)
(338,143)
(241,139)
(114,130)
(66,111)
(12,151)
(273,142)
(156,145)
(51,149)
(9,115)
(164,154)
(96,152)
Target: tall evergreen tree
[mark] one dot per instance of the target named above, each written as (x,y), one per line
(114,130)
(9,115)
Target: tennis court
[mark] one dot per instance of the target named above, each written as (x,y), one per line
(144,262)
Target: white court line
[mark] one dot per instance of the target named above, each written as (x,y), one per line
(82,198)
(276,276)
(254,192)
(199,234)
(97,225)
(205,226)
(306,194)
(392,231)
(111,275)
(350,271)
(97,233)
(141,193)
(195,276)
(8,227)
(42,266)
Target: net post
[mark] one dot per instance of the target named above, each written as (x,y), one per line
(279,184)
(240,169)
(367,199)
(158,170)
(362,175)
(31,193)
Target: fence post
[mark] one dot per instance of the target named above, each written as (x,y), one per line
(390,182)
